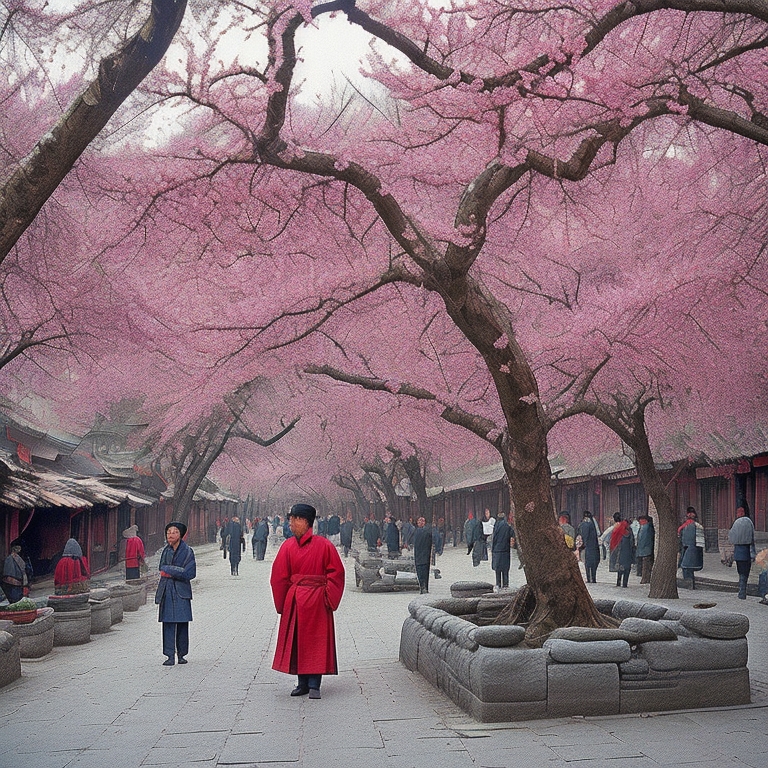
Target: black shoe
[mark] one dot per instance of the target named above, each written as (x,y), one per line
(300,690)
(169,662)
(314,693)
(182,660)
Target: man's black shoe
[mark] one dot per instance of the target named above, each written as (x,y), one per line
(299,690)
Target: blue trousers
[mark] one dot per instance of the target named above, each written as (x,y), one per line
(175,638)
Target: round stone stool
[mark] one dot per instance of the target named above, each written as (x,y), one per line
(35,639)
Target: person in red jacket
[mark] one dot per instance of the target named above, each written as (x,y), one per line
(72,575)
(134,552)
(307,584)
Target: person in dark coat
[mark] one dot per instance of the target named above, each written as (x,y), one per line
(622,551)
(691,534)
(392,538)
(590,545)
(333,529)
(236,545)
(437,542)
(476,544)
(17,574)
(407,533)
(372,535)
(502,541)
(346,530)
(422,554)
(742,536)
(646,538)
(260,538)
(287,528)
(174,593)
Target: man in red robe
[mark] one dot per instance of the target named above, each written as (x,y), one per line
(307,584)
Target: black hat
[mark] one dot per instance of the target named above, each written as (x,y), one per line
(306,511)
(176,524)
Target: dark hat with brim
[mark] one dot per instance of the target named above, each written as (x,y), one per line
(176,524)
(307,511)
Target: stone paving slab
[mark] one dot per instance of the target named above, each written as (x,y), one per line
(228,707)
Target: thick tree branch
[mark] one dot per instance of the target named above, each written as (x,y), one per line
(482,427)
(26,191)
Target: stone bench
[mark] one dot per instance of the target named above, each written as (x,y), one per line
(376,574)
(656,660)
(10,657)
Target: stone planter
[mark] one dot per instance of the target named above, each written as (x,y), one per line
(101,613)
(142,585)
(72,627)
(35,639)
(10,658)
(115,609)
(656,660)
(133,596)
(68,602)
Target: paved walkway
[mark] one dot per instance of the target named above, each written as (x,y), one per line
(111,703)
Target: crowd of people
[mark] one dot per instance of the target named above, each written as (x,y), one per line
(307,576)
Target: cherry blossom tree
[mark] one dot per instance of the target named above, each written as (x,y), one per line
(490,174)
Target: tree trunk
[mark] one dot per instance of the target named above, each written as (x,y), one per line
(664,574)
(412,467)
(26,191)
(551,569)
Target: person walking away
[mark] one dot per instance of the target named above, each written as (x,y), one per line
(588,531)
(174,593)
(346,531)
(260,539)
(372,535)
(422,554)
(72,575)
(469,524)
(307,586)
(742,536)
(475,543)
(437,542)
(392,537)
(236,545)
(334,529)
(134,552)
(622,551)
(646,540)
(406,534)
(502,541)
(691,534)
(569,532)
(487,531)
(17,573)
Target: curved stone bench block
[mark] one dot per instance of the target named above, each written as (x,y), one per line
(606,652)
(694,654)
(721,625)
(10,658)
(72,627)
(35,639)
(471,588)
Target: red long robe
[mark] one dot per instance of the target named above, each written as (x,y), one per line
(307,584)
